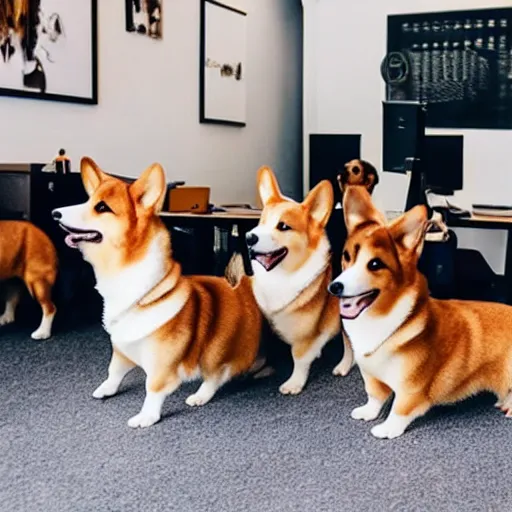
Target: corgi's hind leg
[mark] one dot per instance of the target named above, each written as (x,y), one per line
(41,290)
(12,299)
(347,361)
(208,388)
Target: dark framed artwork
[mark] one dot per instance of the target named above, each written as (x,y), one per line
(48,50)
(144,17)
(458,62)
(222,94)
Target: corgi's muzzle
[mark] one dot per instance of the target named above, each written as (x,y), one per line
(268,260)
(75,235)
(352,306)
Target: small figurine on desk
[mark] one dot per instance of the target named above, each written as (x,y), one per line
(62,163)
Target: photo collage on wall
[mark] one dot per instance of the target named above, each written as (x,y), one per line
(459,63)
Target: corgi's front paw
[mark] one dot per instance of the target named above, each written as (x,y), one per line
(343,368)
(367,412)
(291,387)
(196,399)
(143,420)
(105,389)
(40,334)
(7,318)
(388,430)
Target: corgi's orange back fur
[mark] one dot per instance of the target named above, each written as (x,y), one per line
(427,351)
(175,327)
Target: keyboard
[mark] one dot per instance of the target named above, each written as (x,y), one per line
(493,210)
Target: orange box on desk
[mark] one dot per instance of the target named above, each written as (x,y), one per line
(189,199)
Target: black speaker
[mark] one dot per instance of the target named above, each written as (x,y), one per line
(403,133)
(328,153)
(444,163)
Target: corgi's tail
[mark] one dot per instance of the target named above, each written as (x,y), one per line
(235,269)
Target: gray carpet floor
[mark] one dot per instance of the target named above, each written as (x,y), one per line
(250,449)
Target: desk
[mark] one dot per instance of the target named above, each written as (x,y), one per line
(245,220)
(490,222)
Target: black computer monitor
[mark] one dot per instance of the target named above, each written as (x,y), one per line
(444,163)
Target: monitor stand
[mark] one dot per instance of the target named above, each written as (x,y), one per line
(417,185)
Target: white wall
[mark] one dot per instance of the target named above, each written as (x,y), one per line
(345,43)
(149,105)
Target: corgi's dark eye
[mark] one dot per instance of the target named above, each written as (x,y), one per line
(375,264)
(346,256)
(283,227)
(355,170)
(102,207)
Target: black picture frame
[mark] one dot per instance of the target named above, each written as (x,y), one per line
(457,63)
(203,118)
(92,99)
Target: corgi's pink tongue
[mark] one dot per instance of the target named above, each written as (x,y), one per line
(352,307)
(269,260)
(72,240)
(265,260)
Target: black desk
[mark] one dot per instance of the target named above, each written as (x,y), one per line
(495,223)
(204,224)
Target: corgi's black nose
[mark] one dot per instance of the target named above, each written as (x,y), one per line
(56,215)
(251,239)
(336,288)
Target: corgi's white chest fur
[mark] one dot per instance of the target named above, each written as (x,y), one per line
(276,289)
(368,336)
(126,323)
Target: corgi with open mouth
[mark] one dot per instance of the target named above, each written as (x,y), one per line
(426,351)
(291,263)
(175,328)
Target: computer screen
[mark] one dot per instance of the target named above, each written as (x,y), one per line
(444,162)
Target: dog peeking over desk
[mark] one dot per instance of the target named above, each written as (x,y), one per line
(358,172)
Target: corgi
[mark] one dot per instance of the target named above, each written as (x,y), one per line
(291,264)
(426,351)
(27,254)
(175,328)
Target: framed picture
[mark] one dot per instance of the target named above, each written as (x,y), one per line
(458,62)
(48,50)
(144,17)
(222,64)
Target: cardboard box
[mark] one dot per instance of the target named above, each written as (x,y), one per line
(189,199)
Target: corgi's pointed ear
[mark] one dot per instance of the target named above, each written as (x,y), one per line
(319,202)
(92,175)
(359,209)
(408,230)
(268,187)
(149,190)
